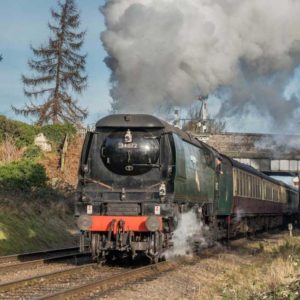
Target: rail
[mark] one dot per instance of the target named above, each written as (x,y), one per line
(115,281)
(72,257)
(22,257)
(78,281)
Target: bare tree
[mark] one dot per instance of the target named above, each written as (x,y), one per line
(196,122)
(59,71)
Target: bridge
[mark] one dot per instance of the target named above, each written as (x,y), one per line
(272,154)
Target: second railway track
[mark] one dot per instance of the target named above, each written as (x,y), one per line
(22,266)
(24,257)
(19,266)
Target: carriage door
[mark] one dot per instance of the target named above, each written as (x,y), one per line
(224,187)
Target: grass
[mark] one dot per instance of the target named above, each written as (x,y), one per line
(9,151)
(34,225)
(273,265)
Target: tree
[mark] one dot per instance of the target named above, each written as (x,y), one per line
(59,71)
(1,57)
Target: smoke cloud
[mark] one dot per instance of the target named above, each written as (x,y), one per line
(165,52)
(279,145)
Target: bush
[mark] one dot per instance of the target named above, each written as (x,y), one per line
(32,152)
(23,175)
(22,133)
(56,133)
(9,151)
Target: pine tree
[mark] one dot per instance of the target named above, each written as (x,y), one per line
(59,71)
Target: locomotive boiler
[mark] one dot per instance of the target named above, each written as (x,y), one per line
(139,174)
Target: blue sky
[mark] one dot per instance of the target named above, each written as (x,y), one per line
(24,22)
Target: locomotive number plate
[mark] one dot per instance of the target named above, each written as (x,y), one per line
(89,209)
(127,146)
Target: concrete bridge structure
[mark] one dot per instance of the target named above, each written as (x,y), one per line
(272,154)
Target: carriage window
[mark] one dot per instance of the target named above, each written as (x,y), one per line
(240,183)
(249,185)
(256,187)
(243,183)
(259,188)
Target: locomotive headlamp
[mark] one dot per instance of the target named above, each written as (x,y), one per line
(152,223)
(162,189)
(128,136)
(84,222)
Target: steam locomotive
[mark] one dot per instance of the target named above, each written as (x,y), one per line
(139,174)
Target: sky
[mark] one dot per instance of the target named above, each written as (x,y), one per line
(24,23)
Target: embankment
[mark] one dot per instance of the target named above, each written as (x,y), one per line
(41,222)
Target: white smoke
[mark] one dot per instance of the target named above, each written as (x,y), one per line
(279,145)
(190,233)
(169,51)
(239,213)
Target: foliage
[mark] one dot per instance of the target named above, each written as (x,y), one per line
(32,152)
(56,132)
(23,174)
(59,68)
(9,151)
(22,133)
(290,292)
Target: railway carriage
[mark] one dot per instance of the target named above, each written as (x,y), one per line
(138,174)
(261,202)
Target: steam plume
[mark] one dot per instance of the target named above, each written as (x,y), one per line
(190,236)
(168,51)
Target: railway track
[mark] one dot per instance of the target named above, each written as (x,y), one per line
(27,261)
(79,282)
(24,257)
